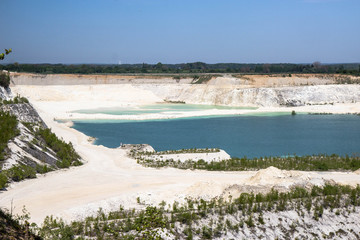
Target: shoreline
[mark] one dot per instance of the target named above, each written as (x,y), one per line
(125,118)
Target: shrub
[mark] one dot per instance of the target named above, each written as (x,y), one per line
(18,99)
(3,181)
(201,79)
(4,79)
(64,151)
(8,130)
(206,232)
(20,172)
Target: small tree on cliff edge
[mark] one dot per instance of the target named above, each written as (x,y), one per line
(4,77)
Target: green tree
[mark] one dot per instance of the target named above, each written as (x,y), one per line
(4,77)
(159,65)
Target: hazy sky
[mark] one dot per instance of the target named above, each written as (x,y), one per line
(176,31)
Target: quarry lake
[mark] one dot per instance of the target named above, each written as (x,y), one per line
(244,135)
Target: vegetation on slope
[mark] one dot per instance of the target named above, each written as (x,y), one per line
(8,130)
(203,78)
(208,219)
(64,151)
(44,139)
(12,228)
(18,99)
(303,163)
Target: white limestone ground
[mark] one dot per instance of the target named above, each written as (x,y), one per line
(110,178)
(5,94)
(261,97)
(183,157)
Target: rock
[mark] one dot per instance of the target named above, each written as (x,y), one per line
(24,112)
(264,97)
(5,93)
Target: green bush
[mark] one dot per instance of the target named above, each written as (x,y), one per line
(202,79)
(8,130)
(20,172)
(3,181)
(43,169)
(64,151)
(4,79)
(18,99)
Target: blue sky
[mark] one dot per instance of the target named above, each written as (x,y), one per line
(177,31)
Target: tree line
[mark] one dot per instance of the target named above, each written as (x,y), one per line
(184,68)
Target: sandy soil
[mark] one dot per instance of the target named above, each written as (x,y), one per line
(109,178)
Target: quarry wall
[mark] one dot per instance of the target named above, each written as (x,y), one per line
(268,91)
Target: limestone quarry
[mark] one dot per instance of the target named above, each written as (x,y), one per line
(110,178)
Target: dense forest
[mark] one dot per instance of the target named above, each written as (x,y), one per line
(184,68)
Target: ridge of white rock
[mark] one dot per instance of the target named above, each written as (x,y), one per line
(5,93)
(243,90)
(264,97)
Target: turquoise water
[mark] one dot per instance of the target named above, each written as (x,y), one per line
(251,136)
(157,108)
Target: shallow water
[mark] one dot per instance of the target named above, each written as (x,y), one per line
(251,136)
(157,108)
